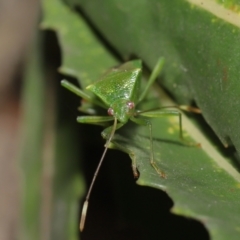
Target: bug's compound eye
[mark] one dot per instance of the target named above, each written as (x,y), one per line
(130,105)
(110,112)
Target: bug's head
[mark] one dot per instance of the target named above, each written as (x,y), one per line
(122,109)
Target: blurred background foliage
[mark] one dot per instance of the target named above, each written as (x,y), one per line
(47,158)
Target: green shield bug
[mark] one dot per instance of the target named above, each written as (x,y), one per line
(118,91)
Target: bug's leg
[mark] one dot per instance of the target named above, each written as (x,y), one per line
(96,120)
(156,71)
(71,87)
(146,122)
(167,112)
(180,107)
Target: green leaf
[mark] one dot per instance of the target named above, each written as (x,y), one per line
(50,184)
(31,144)
(78,45)
(200,41)
(200,181)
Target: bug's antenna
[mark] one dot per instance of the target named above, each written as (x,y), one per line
(85,205)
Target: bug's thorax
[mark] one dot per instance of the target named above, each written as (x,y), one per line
(122,109)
